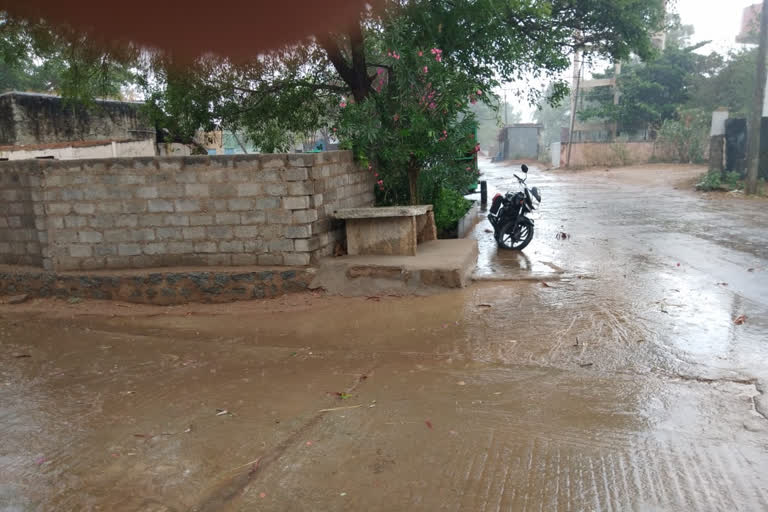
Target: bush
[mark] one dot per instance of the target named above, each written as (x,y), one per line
(733,180)
(715,180)
(688,135)
(710,181)
(450,207)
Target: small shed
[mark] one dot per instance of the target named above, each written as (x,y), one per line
(520,141)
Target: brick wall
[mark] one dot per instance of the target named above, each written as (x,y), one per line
(161,212)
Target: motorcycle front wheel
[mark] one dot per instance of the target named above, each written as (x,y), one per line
(514,241)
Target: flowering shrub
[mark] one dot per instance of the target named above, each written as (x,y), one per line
(415,126)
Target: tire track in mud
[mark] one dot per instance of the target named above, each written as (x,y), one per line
(506,474)
(226,492)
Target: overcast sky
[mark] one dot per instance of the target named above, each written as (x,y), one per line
(719,21)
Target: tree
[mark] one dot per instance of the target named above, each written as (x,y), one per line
(553,116)
(490,118)
(731,84)
(36,56)
(482,42)
(651,92)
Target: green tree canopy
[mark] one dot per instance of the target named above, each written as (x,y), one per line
(651,92)
(730,85)
(482,43)
(37,57)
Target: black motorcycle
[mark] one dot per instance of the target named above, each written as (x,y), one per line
(512,227)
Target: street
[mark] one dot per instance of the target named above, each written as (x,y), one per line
(601,369)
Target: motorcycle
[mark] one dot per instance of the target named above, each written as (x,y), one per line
(512,228)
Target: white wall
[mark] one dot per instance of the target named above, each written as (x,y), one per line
(111,150)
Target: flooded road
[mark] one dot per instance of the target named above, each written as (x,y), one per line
(599,372)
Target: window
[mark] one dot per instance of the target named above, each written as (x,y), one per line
(211,151)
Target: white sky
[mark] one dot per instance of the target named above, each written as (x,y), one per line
(714,20)
(718,21)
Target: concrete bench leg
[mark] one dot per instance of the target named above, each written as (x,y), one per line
(384,236)
(425,227)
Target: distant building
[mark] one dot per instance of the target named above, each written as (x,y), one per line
(46,126)
(750,24)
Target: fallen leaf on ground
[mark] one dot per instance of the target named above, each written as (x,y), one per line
(342,494)
(545,285)
(489,231)
(377,299)
(461,383)
(221,412)
(587,365)
(343,395)
(750,270)
(74,300)
(262,495)
(428,424)
(21,356)
(563,236)
(722,284)
(484,306)
(309,443)
(678,264)
(740,319)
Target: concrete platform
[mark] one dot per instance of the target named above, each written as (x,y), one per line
(438,265)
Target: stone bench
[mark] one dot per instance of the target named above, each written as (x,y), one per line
(390,230)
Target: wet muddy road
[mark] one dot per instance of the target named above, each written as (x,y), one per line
(621,384)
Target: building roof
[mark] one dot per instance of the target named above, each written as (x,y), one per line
(525,125)
(56,96)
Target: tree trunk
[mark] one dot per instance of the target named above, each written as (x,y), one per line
(413,184)
(753,145)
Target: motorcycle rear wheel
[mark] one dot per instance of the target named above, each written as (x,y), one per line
(511,241)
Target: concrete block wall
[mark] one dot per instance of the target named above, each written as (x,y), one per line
(22,228)
(210,211)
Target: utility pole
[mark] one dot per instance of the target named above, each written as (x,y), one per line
(753,145)
(577,69)
(506,109)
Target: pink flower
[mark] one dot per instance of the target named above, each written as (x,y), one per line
(469,168)
(432,106)
(389,54)
(380,182)
(421,54)
(473,101)
(445,132)
(396,117)
(479,92)
(376,174)
(379,71)
(426,69)
(343,104)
